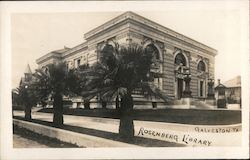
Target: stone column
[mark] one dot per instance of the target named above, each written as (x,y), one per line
(210,94)
(187,93)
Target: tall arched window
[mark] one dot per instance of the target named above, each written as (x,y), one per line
(179,58)
(152,49)
(156,65)
(106,55)
(107,49)
(201,66)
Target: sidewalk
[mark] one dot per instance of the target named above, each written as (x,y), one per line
(218,135)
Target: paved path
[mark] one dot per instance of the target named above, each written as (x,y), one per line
(196,135)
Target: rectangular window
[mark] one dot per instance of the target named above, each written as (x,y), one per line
(201,88)
(77,63)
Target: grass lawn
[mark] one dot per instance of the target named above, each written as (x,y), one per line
(183,116)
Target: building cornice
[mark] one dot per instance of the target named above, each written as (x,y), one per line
(81,47)
(172,42)
(137,18)
(48,56)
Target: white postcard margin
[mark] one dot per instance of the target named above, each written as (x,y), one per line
(7,152)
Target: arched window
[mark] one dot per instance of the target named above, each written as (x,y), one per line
(152,49)
(106,55)
(201,66)
(180,59)
(106,52)
(156,65)
(107,49)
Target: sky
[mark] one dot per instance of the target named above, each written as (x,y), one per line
(36,34)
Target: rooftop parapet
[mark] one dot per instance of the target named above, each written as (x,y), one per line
(135,17)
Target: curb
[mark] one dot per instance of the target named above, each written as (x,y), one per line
(82,140)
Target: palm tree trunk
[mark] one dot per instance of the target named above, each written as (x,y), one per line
(58,110)
(104,104)
(86,104)
(117,102)
(126,128)
(27,112)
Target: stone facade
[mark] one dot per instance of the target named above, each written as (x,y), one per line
(176,53)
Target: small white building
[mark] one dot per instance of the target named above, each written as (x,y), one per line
(233,90)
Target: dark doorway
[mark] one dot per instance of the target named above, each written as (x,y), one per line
(201,88)
(180,88)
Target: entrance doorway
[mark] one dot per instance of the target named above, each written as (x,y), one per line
(179,88)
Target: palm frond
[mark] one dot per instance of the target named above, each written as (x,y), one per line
(149,89)
(119,72)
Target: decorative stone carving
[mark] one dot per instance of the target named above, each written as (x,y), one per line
(136,35)
(206,60)
(146,39)
(177,50)
(187,53)
(202,75)
(210,94)
(120,36)
(160,44)
(199,58)
(187,92)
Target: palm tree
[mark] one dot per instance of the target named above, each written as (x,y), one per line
(24,95)
(119,72)
(56,81)
(79,82)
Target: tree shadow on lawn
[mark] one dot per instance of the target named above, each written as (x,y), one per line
(183,116)
(140,141)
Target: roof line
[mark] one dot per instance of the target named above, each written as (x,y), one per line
(119,18)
